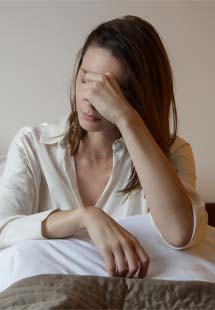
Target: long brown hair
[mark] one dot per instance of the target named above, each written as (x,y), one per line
(148,86)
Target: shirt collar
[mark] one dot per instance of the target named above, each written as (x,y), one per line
(54,132)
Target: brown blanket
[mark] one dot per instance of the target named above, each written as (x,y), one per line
(60,292)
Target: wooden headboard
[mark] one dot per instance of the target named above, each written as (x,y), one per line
(210,207)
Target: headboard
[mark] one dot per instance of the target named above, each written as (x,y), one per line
(210,207)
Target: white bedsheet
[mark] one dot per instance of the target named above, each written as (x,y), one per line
(78,255)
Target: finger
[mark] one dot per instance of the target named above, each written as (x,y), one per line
(90,76)
(113,80)
(109,262)
(121,262)
(132,259)
(143,259)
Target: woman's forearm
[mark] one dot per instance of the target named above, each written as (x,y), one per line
(168,201)
(61,224)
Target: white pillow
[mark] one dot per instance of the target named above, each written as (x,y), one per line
(73,255)
(2,163)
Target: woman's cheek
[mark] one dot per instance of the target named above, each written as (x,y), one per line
(79,96)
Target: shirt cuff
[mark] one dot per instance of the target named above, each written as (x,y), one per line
(26,227)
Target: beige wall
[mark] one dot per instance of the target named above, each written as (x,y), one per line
(39,41)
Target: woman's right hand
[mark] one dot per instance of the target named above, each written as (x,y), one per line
(122,252)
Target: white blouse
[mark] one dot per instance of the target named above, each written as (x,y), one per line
(39,177)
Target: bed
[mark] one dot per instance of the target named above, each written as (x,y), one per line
(176,279)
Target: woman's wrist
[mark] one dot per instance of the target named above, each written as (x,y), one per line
(85,213)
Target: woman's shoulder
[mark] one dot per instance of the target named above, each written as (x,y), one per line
(29,133)
(43,133)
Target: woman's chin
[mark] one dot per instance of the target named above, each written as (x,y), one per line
(90,126)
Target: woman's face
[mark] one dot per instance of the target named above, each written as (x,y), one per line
(96,60)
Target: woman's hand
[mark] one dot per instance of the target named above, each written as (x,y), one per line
(104,93)
(122,252)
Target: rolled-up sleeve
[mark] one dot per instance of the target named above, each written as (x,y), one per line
(183,161)
(19,194)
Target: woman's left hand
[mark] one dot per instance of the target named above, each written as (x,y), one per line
(105,94)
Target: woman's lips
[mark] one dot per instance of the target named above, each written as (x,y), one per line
(90,117)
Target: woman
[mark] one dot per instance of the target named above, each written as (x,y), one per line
(116,141)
